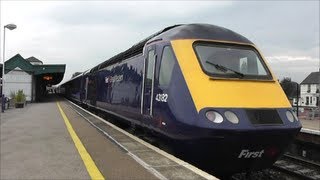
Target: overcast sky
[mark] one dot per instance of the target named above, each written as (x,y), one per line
(83,34)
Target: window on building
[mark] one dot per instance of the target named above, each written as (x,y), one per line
(166,67)
(310,100)
(309,88)
(294,101)
(307,100)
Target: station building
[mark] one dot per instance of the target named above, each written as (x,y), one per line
(310,87)
(310,91)
(30,75)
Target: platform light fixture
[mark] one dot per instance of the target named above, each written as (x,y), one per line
(10,27)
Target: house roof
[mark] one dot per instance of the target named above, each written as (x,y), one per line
(313,78)
(33,59)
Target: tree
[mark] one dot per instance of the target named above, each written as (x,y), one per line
(290,88)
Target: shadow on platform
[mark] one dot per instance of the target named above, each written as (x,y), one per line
(50,98)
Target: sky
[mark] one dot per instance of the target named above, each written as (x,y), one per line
(82,34)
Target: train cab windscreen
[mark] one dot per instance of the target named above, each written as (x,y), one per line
(231,61)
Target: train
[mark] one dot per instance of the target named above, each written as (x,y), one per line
(197,83)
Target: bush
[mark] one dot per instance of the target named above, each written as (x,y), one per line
(20,97)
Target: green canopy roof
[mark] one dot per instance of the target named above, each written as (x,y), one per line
(20,62)
(54,70)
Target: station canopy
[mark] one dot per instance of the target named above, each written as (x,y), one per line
(50,74)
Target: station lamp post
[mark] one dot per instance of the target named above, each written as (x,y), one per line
(10,27)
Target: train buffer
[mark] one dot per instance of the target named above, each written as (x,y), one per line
(58,140)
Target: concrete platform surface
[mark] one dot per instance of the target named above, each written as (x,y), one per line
(112,162)
(35,144)
(156,161)
(310,124)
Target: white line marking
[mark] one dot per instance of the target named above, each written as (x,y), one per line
(169,156)
(310,131)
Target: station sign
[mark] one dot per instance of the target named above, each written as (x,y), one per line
(47,78)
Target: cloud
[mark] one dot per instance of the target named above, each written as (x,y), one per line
(290,58)
(298,68)
(85,33)
(130,13)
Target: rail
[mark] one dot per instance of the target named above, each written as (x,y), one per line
(298,167)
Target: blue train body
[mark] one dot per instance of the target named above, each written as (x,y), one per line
(148,85)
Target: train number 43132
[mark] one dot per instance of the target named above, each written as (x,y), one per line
(162,97)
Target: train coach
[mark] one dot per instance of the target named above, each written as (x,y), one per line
(197,83)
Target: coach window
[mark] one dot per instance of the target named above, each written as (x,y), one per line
(166,67)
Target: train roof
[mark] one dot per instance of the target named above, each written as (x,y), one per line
(181,31)
(133,51)
(75,77)
(201,31)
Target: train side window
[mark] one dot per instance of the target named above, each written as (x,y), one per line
(166,67)
(150,64)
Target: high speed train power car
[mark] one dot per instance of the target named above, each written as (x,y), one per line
(196,83)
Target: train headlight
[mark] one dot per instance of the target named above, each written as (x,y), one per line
(214,116)
(290,116)
(232,117)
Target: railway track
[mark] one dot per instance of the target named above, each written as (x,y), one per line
(298,167)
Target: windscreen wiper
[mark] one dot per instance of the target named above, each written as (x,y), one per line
(224,69)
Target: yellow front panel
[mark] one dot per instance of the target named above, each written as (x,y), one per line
(208,92)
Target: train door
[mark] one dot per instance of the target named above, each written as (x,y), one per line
(148,81)
(92,89)
(81,89)
(86,89)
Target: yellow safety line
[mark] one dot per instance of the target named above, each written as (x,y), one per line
(86,158)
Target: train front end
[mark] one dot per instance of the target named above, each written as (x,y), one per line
(244,120)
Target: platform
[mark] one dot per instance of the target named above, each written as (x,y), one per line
(36,143)
(310,124)
(310,121)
